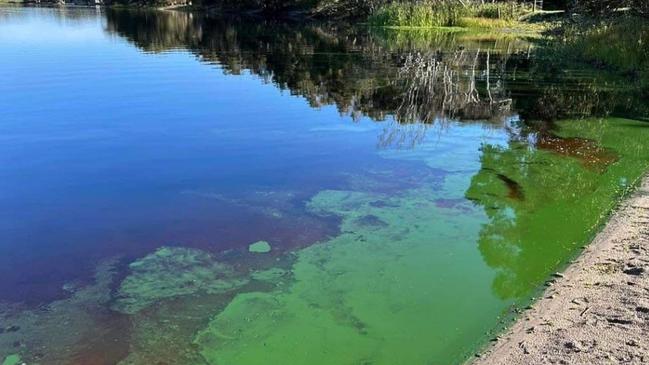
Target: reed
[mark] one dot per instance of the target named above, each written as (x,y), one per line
(621,44)
(425,14)
(445,13)
(503,10)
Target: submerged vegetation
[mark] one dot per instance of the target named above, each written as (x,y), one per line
(171,272)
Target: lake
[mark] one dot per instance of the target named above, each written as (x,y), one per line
(177,188)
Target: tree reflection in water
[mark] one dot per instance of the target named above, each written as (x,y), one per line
(403,77)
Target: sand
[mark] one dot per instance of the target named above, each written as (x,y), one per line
(597,311)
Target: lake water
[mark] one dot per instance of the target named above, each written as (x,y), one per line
(180,189)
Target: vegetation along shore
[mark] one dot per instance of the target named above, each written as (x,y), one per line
(392,13)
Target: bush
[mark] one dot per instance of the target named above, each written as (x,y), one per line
(620,44)
(506,10)
(431,13)
(608,7)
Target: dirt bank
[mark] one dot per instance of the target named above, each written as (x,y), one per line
(597,311)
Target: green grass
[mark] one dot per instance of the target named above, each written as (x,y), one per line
(418,15)
(502,11)
(621,44)
(447,14)
(485,23)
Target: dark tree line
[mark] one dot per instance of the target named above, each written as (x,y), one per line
(610,7)
(360,9)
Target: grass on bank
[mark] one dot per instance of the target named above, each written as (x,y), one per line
(621,43)
(450,14)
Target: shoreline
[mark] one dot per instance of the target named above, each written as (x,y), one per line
(521,27)
(597,310)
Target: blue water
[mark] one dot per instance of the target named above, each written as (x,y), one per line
(107,150)
(103,144)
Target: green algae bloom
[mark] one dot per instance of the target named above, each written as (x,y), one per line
(272,275)
(358,298)
(404,283)
(171,272)
(421,275)
(12,360)
(564,192)
(259,247)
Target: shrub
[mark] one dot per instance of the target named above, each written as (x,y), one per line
(510,10)
(607,7)
(620,44)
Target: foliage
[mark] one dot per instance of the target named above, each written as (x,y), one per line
(622,44)
(399,12)
(510,10)
(433,13)
(350,9)
(615,58)
(484,23)
(609,7)
(274,8)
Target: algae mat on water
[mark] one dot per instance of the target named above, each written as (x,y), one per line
(567,184)
(171,272)
(11,360)
(410,280)
(372,294)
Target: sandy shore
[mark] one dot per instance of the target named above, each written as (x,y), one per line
(597,311)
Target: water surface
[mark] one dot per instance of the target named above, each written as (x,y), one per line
(416,189)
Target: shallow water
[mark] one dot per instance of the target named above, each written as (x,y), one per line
(415,189)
